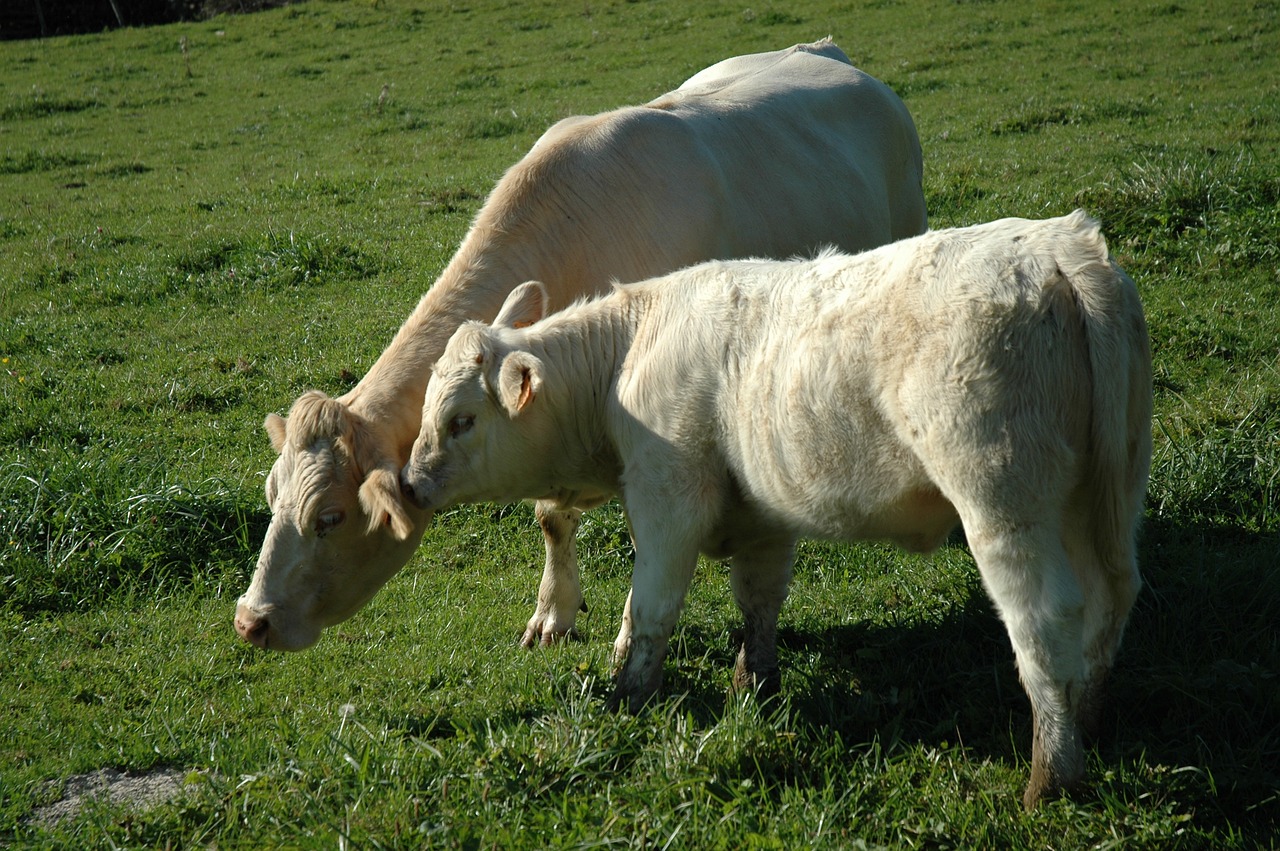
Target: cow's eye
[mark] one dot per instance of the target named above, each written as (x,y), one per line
(461,424)
(328,521)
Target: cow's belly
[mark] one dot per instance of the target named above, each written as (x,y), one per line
(742,526)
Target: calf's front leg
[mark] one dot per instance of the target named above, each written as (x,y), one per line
(666,554)
(560,593)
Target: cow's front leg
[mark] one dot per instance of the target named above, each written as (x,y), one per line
(622,644)
(760,576)
(560,594)
(666,554)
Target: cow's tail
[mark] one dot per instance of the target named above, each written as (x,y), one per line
(1120,366)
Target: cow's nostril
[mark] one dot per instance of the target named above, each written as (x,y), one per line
(253,629)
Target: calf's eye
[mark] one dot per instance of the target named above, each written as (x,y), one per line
(461,424)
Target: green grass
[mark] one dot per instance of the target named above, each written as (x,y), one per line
(188,242)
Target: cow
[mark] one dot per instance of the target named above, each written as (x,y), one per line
(771,154)
(995,376)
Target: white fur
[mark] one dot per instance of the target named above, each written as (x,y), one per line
(997,376)
(768,154)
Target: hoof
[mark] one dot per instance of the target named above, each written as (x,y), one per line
(765,682)
(1043,786)
(632,700)
(534,638)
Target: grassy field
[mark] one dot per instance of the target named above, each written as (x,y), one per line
(198,222)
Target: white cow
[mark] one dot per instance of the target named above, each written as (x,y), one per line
(770,154)
(997,376)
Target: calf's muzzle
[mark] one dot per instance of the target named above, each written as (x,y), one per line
(417,489)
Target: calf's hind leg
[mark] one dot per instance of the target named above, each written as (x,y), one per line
(760,576)
(666,555)
(1108,575)
(1026,571)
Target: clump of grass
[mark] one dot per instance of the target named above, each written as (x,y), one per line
(1167,196)
(219,271)
(1220,471)
(79,527)
(40,105)
(1034,115)
(39,161)
(498,126)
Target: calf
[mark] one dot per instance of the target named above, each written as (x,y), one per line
(997,376)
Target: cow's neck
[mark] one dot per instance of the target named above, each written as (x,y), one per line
(473,286)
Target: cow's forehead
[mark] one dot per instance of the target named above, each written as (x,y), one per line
(307,466)
(309,478)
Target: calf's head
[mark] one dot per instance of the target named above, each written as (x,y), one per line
(479,424)
(339,527)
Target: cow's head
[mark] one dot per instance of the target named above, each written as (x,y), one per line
(339,525)
(479,432)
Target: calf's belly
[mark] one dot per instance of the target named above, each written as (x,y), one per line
(918,519)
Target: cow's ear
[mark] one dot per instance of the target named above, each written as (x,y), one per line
(519,382)
(525,305)
(381,500)
(275,426)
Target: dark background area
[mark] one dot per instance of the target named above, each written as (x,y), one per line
(38,18)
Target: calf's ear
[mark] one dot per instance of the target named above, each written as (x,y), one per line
(275,426)
(519,382)
(381,500)
(525,305)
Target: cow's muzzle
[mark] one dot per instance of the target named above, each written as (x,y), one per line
(252,626)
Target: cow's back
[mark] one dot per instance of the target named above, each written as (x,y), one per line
(770,155)
(812,138)
(765,70)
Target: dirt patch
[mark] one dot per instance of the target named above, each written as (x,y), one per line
(137,791)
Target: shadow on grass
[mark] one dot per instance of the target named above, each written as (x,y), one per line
(1193,708)
(1197,681)
(1195,691)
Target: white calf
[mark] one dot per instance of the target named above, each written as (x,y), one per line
(997,376)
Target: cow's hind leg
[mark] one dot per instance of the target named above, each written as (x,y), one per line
(560,594)
(1026,571)
(760,576)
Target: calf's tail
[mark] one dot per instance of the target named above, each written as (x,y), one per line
(1115,331)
